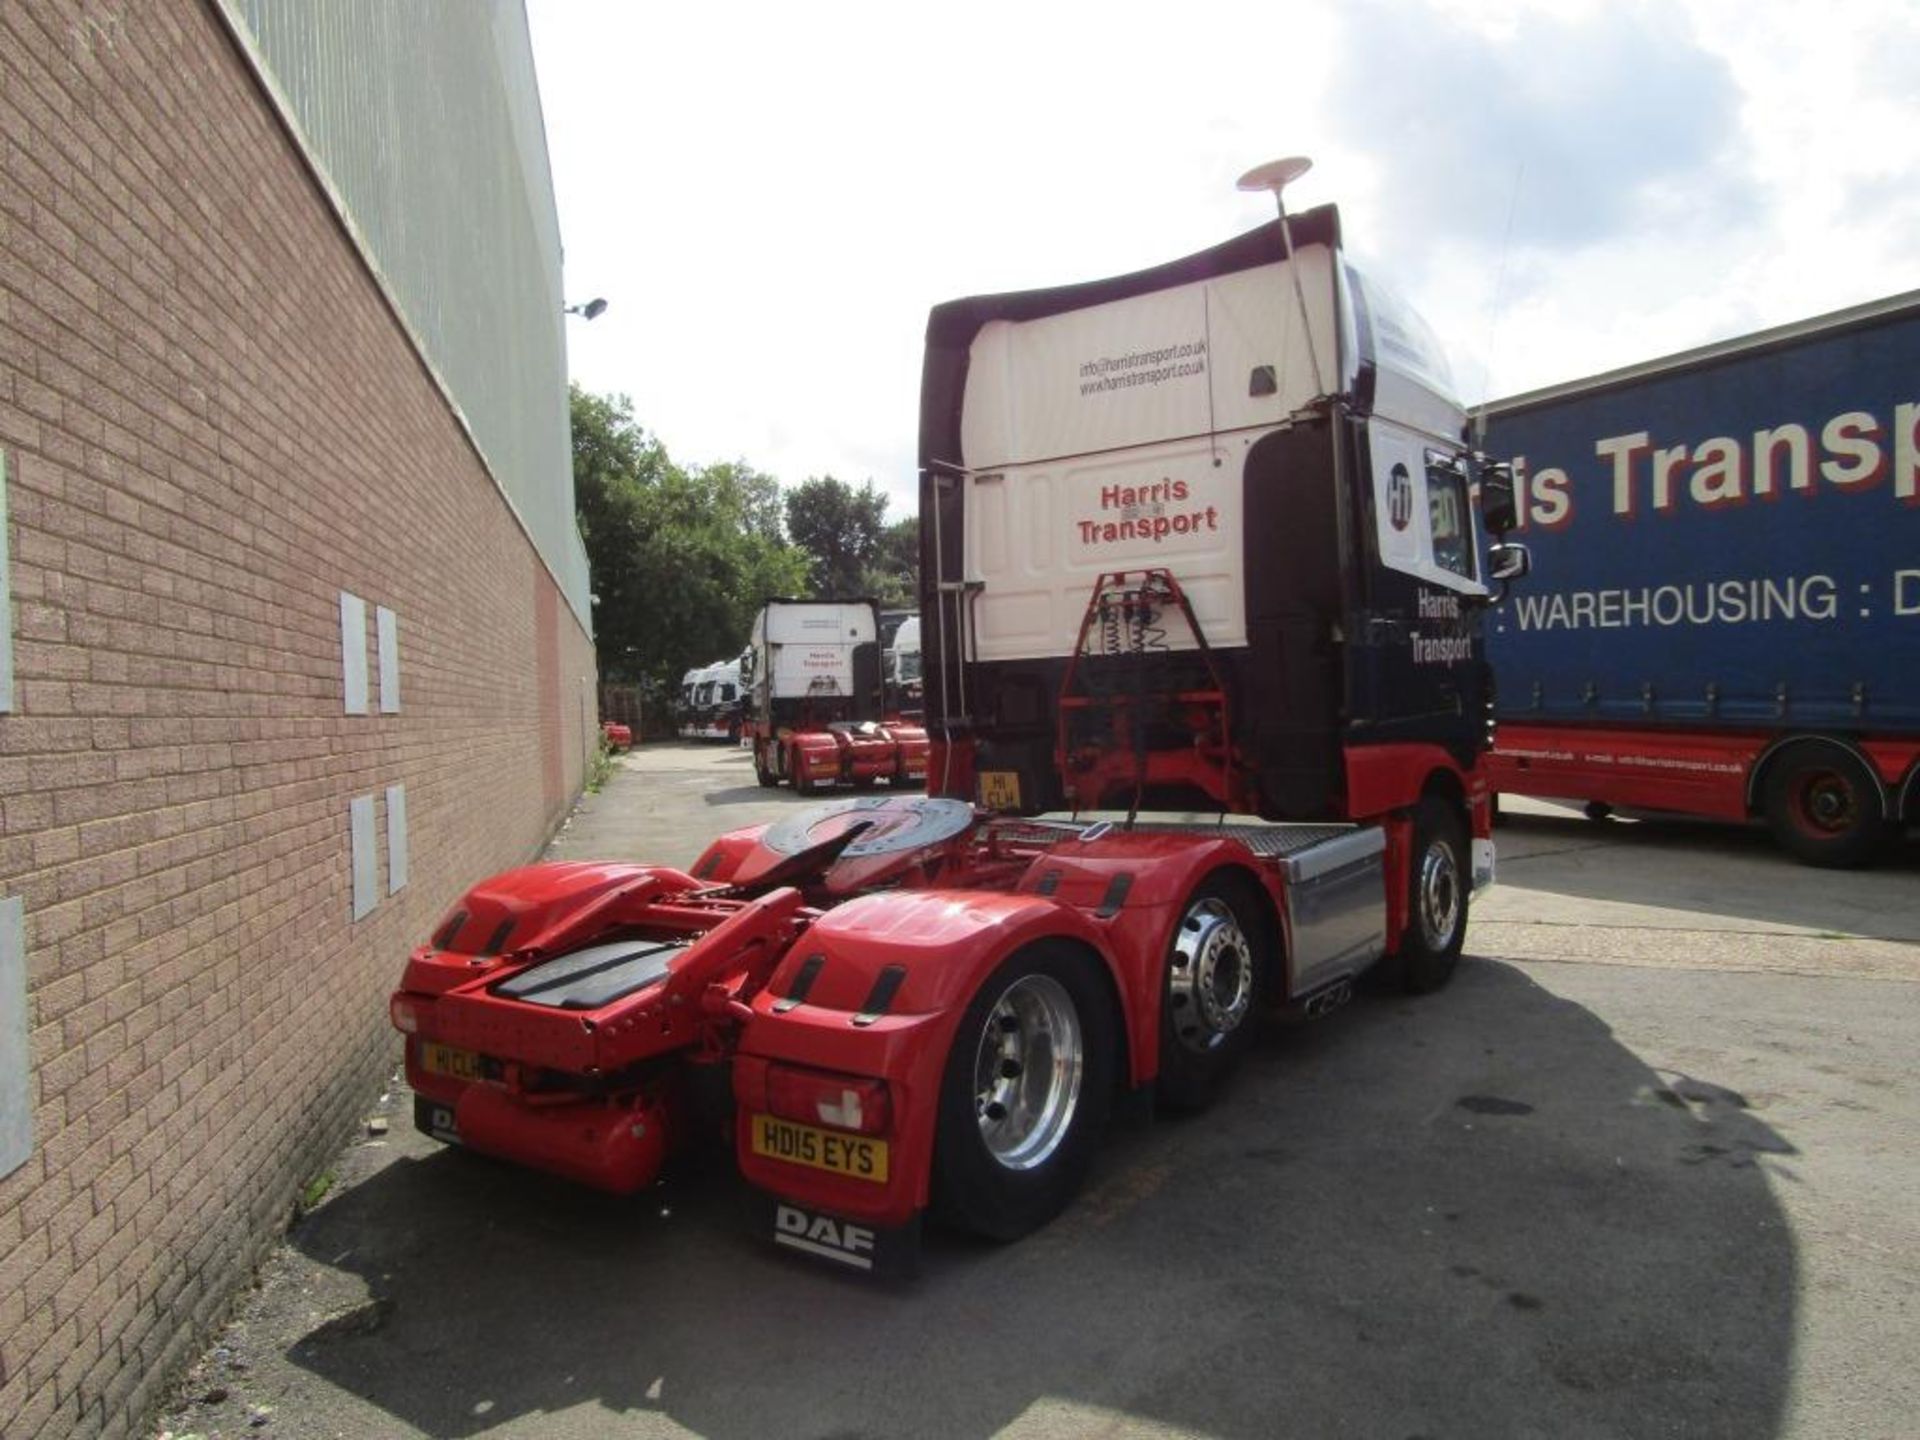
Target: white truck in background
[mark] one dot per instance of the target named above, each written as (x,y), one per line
(905,689)
(711,702)
(817,702)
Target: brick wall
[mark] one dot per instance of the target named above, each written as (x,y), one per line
(212,426)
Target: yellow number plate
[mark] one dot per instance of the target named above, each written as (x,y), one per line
(1000,789)
(446,1060)
(859,1156)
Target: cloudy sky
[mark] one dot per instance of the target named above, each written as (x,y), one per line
(772,196)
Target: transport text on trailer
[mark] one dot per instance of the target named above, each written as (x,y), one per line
(1729,619)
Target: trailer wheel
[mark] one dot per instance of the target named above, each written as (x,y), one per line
(1823,807)
(1215,979)
(1025,1093)
(768,779)
(1439,885)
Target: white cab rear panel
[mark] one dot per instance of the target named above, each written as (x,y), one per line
(1113,438)
(810,646)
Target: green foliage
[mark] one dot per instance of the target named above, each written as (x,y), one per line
(894,577)
(599,768)
(313,1192)
(840,528)
(680,559)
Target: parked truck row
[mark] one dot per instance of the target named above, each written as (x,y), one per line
(711,702)
(716,701)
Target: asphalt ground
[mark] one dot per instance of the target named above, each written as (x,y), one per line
(1645,1168)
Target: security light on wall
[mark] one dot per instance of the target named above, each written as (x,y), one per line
(590,310)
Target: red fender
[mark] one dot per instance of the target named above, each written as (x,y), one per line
(1131,886)
(722,857)
(528,907)
(1119,896)
(813,756)
(910,748)
(946,943)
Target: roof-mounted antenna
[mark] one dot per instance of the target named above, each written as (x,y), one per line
(1276,175)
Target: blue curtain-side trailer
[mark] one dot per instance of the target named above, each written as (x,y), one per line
(1724,618)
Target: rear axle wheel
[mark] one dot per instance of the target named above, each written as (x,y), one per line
(1216,965)
(1438,886)
(1025,1092)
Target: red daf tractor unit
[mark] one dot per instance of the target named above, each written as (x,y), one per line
(1200,589)
(813,678)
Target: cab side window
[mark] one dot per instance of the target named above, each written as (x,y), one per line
(1452,526)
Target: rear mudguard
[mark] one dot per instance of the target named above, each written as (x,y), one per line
(877,988)
(814,758)
(934,949)
(533,907)
(910,749)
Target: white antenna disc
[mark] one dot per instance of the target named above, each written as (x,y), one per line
(1275,175)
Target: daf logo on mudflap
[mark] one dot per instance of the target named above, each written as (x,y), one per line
(434,1119)
(822,1235)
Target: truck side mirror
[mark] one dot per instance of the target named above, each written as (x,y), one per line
(1498,507)
(1508,561)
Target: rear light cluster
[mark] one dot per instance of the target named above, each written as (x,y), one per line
(820,1097)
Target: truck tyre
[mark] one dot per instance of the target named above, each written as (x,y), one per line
(767,778)
(1823,807)
(1216,971)
(1025,1093)
(1439,881)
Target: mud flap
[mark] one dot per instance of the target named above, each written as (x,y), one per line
(886,1252)
(434,1119)
(1483,866)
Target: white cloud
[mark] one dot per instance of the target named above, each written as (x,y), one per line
(772,197)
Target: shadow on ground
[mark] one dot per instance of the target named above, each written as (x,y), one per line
(1709,868)
(1470,1215)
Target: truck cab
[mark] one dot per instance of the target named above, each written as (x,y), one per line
(1272,434)
(816,699)
(1201,580)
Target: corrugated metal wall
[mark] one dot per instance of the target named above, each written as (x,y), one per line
(424,120)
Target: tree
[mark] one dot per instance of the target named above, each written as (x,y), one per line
(894,577)
(840,529)
(750,498)
(680,560)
